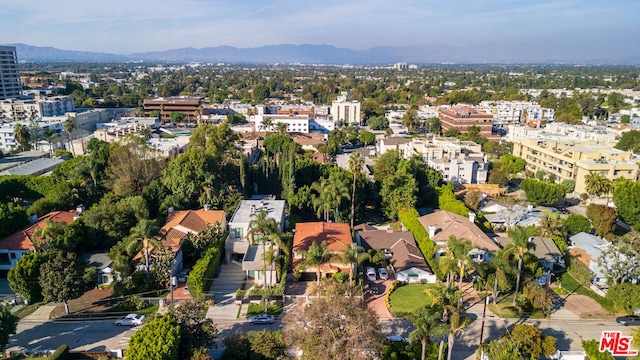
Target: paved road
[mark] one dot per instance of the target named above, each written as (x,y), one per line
(100,335)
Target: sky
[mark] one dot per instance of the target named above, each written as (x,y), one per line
(125,27)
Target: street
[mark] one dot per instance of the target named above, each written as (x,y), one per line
(100,335)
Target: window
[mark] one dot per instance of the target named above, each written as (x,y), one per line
(4,258)
(238,233)
(13,255)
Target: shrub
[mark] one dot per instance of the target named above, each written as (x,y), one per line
(625,297)
(205,269)
(447,201)
(603,219)
(576,223)
(131,303)
(341,277)
(539,192)
(579,271)
(409,218)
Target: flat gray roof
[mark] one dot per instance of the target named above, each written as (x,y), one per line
(35,167)
(248,207)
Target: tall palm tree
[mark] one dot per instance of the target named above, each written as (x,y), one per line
(316,256)
(519,247)
(445,298)
(68,127)
(22,136)
(457,324)
(281,128)
(459,250)
(324,201)
(597,184)
(356,161)
(551,226)
(261,229)
(428,323)
(269,257)
(353,256)
(339,189)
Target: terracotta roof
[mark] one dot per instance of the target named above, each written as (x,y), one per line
(448,224)
(23,239)
(406,254)
(336,235)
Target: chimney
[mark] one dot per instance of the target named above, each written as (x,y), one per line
(432,231)
(472,216)
(80,209)
(171,208)
(206,207)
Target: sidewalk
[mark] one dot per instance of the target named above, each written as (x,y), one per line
(42,314)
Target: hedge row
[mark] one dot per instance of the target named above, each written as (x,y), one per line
(409,218)
(203,272)
(579,271)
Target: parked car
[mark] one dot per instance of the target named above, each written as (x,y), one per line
(371,274)
(130,320)
(397,338)
(388,254)
(262,319)
(383,274)
(629,320)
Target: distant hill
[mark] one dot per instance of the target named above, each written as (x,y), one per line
(552,51)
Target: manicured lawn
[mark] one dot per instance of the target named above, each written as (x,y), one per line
(571,285)
(255,309)
(409,298)
(148,310)
(28,310)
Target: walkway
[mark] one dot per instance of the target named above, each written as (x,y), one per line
(224,289)
(42,314)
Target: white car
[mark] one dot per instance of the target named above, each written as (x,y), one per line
(262,319)
(371,274)
(130,320)
(397,338)
(383,274)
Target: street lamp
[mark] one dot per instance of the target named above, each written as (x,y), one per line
(173,283)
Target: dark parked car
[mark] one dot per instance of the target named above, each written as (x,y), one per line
(629,320)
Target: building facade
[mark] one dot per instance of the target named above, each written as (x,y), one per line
(463,117)
(345,110)
(572,160)
(187,105)
(10,85)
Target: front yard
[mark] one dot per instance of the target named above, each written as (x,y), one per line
(409,298)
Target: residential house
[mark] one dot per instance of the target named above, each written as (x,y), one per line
(588,248)
(101,261)
(22,242)
(545,249)
(392,143)
(402,253)
(238,246)
(441,225)
(337,237)
(180,223)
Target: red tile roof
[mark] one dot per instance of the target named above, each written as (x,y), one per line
(23,239)
(448,224)
(336,235)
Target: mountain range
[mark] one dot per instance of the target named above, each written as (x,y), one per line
(548,52)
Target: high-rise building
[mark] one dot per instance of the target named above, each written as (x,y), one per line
(10,85)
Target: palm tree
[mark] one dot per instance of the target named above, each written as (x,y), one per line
(270,256)
(353,256)
(339,189)
(597,184)
(551,226)
(428,324)
(281,128)
(459,250)
(518,247)
(445,298)
(316,256)
(261,229)
(356,161)
(324,201)
(68,127)
(457,324)
(266,124)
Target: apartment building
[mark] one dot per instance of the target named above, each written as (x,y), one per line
(562,131)
(345,110)
(462,117)
(513,112)
(572,159)
(10,85)
(15,109)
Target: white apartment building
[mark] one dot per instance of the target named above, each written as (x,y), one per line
(15,109)
(295,123)
(562,131)
(10,85)
(345,110)
(462,171)
(7,137)
(512,112)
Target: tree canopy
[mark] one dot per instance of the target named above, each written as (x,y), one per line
(158,339)
(539,192)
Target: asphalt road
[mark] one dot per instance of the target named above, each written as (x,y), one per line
(100,335)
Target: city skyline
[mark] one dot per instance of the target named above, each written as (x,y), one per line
(357,24)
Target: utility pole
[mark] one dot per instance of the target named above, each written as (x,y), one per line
(484,310)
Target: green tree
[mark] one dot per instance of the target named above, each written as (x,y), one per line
(22,136)
(432,125)
(498,177)
(531,342)
(262,230)
(597,184)
(410,120)
(268,344)
(356,162)
(274,144)
(196,330)
(367,137)
(132,165)
(158,339)
(315,256)
(519,247)
(8,326)
(570,185)
(354,255)
(452,132)
(21,277)
(61,279)
(472,199)
(386,165)
(378,122)
(539,192)
(428,324)
(575,223)
(12,218)
(457,324)
(176,117)
(398,191)
(511,165)
(626,196)
(592,350)
(603,219)
(69,126)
